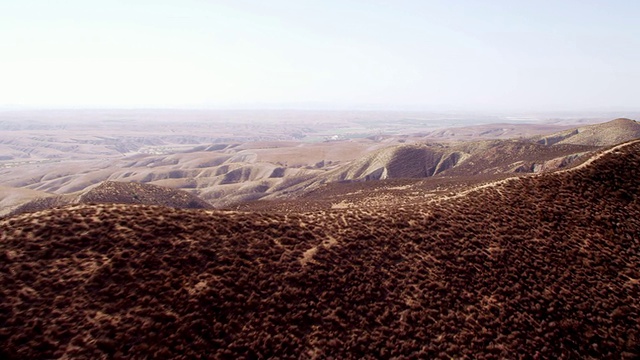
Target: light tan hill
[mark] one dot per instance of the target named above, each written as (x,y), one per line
(11,198)
(219,173)
(605,134)
(403,161)
(492,131)
(544,266)
(229,171)
(487,158)
(464,160)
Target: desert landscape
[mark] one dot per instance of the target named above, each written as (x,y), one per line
(479,241)
(319,180)
(228,158)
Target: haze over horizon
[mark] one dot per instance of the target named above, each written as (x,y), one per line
(435,55)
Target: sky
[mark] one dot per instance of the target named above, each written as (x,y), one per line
(402,54)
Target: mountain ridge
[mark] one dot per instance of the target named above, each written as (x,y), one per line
(471,158)
(544,265)
(608,133)
(118,192)
(229,175)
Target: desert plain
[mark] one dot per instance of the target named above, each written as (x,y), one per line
(303,234)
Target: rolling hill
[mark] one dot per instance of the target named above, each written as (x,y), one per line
(462,160)
(541,266)
(230,170)
(605,134)
(120,193)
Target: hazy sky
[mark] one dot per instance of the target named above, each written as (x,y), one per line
(472,55)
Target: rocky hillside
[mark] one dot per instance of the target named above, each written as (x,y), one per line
(473,158)
(462,161)
(605,134)
(543,266)
(121,193)
(228,172)
(530,155)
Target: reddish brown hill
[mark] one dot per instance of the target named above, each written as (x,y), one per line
(542,266)
(136,193)
(120,193)
(515,156)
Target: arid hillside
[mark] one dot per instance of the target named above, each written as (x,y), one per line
(543,266)
(11,197)
(604,134)
(230,158)
(119,193)
(469,159)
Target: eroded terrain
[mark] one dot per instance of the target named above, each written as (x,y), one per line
(543,266)
(228,158)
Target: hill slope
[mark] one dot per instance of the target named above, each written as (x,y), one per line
(490,158)
(605,134)
(121,193)
(542,266)
(11,198)
(230,171)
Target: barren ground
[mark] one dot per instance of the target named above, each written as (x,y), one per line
(540,266)
(224,157)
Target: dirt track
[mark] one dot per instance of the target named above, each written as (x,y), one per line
(545,268)
(495,184)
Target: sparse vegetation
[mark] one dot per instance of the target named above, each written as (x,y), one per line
(208,165)
(543,266)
